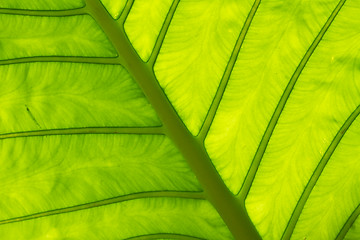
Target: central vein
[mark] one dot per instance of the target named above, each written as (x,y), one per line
(232,211)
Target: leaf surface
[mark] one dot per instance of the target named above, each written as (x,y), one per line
(179,119)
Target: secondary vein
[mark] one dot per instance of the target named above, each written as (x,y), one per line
(163,31)
(85,130)
(44,13)
(126,11)
(165,236)
(226,76)
(154,194)
(316,175)
(95,60)
(348,224)
(279,108)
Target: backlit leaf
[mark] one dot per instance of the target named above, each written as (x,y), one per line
(180,119)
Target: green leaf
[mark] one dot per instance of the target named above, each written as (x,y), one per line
(180,119)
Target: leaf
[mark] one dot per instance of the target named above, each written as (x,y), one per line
(179,119)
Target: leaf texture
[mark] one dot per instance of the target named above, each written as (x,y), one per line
(332,201)
(313,114)
(179,119)
(25,36)
(59,171)
(194,55)
(143,24)
(252,95)
(46,96)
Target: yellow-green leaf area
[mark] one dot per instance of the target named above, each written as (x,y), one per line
(52,95)
(114,7)
(126,219)
(336,194)
(325,95)
(27,36)
(179,119)
(143,24)
(42,4)
(195,52)
(42,173)
(278,37)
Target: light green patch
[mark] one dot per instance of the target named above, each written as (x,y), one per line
(68,95)
(27,36)
(195,52)
(143,24)
(114,7)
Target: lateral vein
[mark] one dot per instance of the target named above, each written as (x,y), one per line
(163,31)
(348,224)
(44,13)
(155,194)
(85,130)
(226,76)
(279,108)
(165,236)
(95,60)
(125,12)
(317,173)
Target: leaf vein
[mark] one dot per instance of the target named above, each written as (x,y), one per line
(164,236)
(85,130)
(44,13)
(317,173)
(133,196)
(279,108)
(163,31)
(125,12)
(349,222)
(95,60)
(226,76)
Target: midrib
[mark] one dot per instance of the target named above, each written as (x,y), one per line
(232,211)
